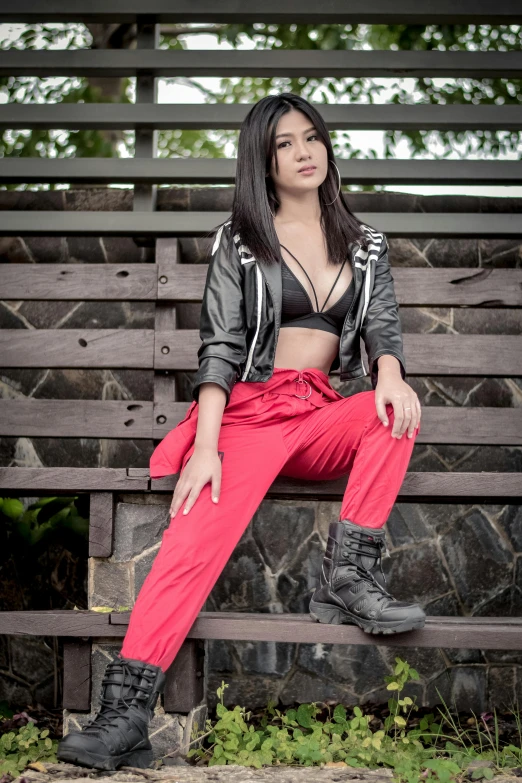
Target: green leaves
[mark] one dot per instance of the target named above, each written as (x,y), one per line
(306,736)
(24,746)
(43,519)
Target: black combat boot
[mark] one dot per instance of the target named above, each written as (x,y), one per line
(118,734)
(352,589)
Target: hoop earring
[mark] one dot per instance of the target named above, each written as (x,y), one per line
(339,188)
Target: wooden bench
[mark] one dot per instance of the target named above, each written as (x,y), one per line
(166,350)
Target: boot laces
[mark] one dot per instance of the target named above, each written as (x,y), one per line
(115,707)
(357,543)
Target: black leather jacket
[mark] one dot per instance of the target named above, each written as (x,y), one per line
(241,314)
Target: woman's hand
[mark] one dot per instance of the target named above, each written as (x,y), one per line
(203,466)
(391,389)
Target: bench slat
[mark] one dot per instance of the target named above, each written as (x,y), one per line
(426,354)
(230,11)
(59,622)
(268,63)
(76,418)
(211,171)
(189,224)
(416,488)
(454,487)
(413,287)
(77,348)
(229,116)
(134,419)
(74,479)
(186,283)
(480,633)
(79,282)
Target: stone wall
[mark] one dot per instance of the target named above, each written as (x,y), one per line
(455,559)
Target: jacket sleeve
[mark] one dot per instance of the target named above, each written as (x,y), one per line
(381,327)
(222,323)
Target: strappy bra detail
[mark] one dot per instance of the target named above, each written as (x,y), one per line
(297,308)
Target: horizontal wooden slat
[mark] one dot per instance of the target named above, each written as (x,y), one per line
(458,287)
(268,63)
(416,488)
(472,633)
(35,418)
(413,287)
(425,487)
(229,116)
(483,633)
(79,282)
(59,622)
(494,426)
(180,223)
(210,171)
(426,354)
(74,479)
(77,348)
(424,287)
(291,11)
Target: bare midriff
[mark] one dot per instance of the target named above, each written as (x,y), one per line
(299,348)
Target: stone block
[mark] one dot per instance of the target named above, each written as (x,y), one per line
(302,687)
(360,668)
(110,584)
(478,559)
(32,659)
(138,528)
(242,584)
(250,691)
(266,657)
(220,655)
(462,688)
(511,521)
(501,687)
(142,566)
(406,524)
(275,525)
(416,573)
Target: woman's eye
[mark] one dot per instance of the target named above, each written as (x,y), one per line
(313,136)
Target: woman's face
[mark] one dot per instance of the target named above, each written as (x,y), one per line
(298,146)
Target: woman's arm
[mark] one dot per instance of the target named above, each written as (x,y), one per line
(204,465)
(222,322)
(212,398)
(223,349)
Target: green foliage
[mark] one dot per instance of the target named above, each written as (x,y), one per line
(46,518)
(24,746)
(415,750)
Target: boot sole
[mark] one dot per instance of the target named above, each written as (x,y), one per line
(334,615)
(140,758)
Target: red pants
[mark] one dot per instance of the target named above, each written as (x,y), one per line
(295,424)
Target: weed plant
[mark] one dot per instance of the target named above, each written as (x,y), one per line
(435,747)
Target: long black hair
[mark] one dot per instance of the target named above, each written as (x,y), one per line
(255,195)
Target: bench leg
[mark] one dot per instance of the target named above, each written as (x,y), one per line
(185,683)
(77,655)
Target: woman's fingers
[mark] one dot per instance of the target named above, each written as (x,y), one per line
(398,418)
(380,406)
(416,416)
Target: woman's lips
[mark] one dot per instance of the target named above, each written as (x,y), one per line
(309,170)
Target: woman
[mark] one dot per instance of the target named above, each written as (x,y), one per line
(294,281)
